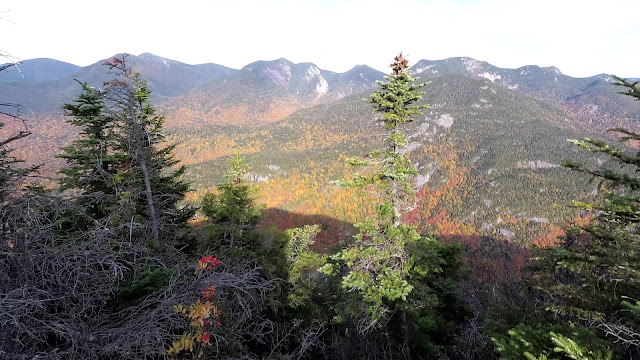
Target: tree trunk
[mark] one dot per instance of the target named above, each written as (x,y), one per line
(395,200)
(405,335)
(150,203)
(395,203)
(141,157)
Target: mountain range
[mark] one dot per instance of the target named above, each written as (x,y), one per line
(488,150)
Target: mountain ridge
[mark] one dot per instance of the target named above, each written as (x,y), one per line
(151,56)
(38,70)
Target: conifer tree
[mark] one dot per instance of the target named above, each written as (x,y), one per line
(233,212)
(92,161)
(11,175)
(379,265)
(592,276)
(151,177)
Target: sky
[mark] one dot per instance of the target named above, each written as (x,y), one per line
(580,37)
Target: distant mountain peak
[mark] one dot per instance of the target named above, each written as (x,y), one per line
(555,70)
(457,65)
(42,69)
(365,70)
(156,59)
(360,67)
(282,62)
(152,57)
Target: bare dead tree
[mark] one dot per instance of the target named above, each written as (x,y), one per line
(124,95)
(623,335)
(473,341)
(56,295)
(293,340)
(11,60)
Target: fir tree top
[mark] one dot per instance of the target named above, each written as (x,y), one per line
(396,98)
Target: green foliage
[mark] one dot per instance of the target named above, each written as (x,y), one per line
(135,287)
(169,189)
(303,264)
(93,166)
(523,340)
(395,102)
(233,214)
(575,351)
(232,218)
(631,87)
(552,341)
(592,276)
(436,276)
(9,173)
(152,187)
(120,166)
(374,270)
(378,263)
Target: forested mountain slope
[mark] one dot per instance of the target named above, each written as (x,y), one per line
(489,158)
(591,102)
(488,150)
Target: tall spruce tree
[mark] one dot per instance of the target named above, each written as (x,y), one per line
(93,163)
(378,263)
(389,258)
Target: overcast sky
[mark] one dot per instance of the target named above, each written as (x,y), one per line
(580,37)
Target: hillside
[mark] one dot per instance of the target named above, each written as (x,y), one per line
(488,150)
(38,70)
(489,159)
(590,102)
(266,91)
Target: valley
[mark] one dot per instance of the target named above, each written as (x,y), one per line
(489,150)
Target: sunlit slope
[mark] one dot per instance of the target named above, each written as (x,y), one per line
(489,158)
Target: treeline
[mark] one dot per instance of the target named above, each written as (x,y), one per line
(108,266)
